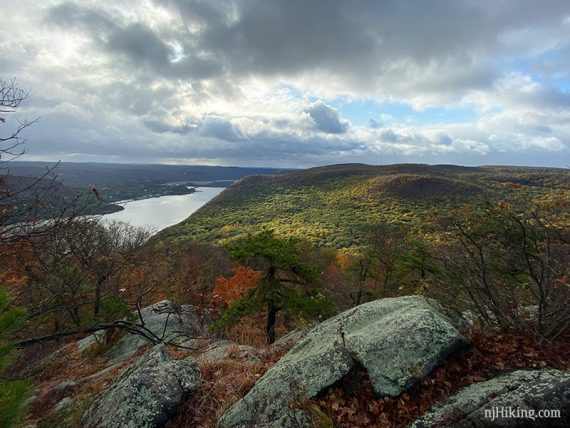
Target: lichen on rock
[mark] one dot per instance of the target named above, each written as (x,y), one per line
(397,340)
(522,390)
(146,394)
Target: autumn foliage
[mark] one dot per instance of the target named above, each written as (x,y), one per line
(233,288)
(352,402)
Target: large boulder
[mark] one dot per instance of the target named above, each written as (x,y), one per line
(286,342)
(146,394)
(510,400)
(179,324)
(397,340)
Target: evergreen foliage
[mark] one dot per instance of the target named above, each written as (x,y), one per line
(286,283)
(12,393)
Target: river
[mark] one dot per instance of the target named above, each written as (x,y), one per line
(159,213)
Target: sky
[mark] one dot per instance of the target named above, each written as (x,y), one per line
(292,83)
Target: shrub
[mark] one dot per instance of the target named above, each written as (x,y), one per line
(510,266)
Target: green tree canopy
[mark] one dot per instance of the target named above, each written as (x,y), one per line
(286,283)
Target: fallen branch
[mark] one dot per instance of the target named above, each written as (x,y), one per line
(125,325)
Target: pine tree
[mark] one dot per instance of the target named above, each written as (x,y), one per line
(286,282)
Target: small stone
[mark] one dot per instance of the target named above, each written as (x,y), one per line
(62,404)
(225,349)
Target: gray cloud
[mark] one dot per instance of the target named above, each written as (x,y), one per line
(374,124)
(141,45)
(231,80)
(446,46)
(161,128)
(365,38)
(71,15)
(221,129)
(326,118)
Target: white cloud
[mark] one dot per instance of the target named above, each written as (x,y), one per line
(254,81)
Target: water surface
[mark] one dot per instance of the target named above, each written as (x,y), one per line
(159,213)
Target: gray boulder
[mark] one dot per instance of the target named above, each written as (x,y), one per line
(146,394)
(66,386)
(291,339)
(521,392)
(183,325)
(91,340)
(397,340)
(226,349)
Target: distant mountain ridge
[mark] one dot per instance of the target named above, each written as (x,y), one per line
(133,181)
(330,205)
(23,185)
(45,197)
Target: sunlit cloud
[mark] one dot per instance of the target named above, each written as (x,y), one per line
(293,83)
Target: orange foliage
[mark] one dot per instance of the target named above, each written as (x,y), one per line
(344,260)
(14,257)
(229,290)
(512,185)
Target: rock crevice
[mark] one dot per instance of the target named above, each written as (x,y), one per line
(397,340)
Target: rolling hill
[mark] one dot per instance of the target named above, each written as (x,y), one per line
(330,205)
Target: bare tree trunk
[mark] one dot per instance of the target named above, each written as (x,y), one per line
(271,320)
(362,275)
(97,302)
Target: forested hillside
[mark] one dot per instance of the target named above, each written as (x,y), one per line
(332,205)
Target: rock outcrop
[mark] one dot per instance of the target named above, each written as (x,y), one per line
(511,400)
(179,324)
(397,340)
(286,342)
(146,394)
(226,349)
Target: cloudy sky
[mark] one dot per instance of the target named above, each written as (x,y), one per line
(292,82)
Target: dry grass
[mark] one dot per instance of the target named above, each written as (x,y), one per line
(251,330)
(223,383)
(71,365)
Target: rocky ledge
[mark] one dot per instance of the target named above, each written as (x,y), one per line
(397,340)
(145,395)
(511,400)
